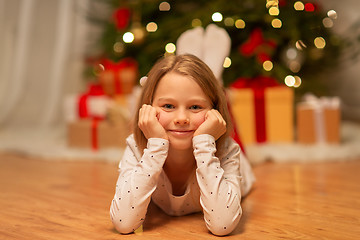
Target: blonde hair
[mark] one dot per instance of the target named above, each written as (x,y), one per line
(190,66)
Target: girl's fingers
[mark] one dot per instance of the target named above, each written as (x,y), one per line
(217,116)
(149,122)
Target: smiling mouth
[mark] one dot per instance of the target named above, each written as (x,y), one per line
(181,132)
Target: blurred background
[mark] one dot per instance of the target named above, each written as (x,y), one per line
(60,61)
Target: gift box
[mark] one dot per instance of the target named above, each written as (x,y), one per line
(120,109)
(118,77)
(125,105)
(263,110)
(318,120)
(97,134)
(93,103)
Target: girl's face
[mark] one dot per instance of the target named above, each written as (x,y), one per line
(181,105)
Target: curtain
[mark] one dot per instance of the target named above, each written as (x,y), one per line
(42,44)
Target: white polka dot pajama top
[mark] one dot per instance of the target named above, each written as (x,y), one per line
(215,187)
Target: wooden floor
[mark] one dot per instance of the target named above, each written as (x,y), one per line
(70,200)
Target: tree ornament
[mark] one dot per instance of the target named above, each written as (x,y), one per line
(258,46)
(121,18)
(139,32)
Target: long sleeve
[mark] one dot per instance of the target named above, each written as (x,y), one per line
(138,177)
(219,182)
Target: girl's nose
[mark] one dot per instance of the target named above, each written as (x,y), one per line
(182,121)
(181,118)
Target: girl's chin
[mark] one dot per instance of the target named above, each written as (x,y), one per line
(181,144)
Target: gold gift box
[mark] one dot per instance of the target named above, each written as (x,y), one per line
(278,103)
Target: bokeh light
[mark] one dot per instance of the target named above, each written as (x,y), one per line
(118,47)
(217,17)
(289,80)
(229,22)
(327,22)
(170,48)
(151,27)
(272,3)
(294,66)
(297,81)
(300,45)
(299,6)
(319,42)
(164,6)
(276,23)
(128,37)
(240,24)
(196,22)
(332,14)
(227,62)
(274,11)
(268,65)
(291,53)
(309,7)
(98,69)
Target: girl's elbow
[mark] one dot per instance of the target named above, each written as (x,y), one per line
(124,227)
(225,226)
(221,230)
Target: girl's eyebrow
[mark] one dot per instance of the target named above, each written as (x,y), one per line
(190,99)
(165,99)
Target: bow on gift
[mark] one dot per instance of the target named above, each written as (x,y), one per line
(94,90)
(258,86)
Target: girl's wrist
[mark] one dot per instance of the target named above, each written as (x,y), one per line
(203,135)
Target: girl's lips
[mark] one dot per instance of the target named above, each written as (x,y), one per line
(181,133)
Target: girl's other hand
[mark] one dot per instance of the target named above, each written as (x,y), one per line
(214,125)
(149,123)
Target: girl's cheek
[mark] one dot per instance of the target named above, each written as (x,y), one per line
(200,120)
(161,116)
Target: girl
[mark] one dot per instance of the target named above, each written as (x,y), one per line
(181,155)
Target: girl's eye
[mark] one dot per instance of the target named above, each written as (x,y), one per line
(195,107)
(168,106)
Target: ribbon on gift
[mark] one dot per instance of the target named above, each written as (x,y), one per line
(93,90)
(94,133)
(258,86)
(319,105)
(116,67)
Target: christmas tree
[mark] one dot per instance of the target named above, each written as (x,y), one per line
(288,40)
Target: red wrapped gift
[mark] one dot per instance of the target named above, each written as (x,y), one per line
(90,104)
(118,77)
(263,110)
(95,91)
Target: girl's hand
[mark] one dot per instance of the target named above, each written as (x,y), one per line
(149,123)
(214,125)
